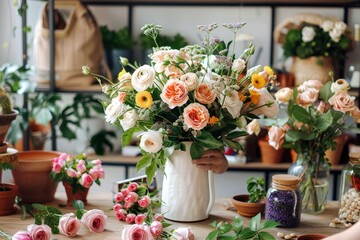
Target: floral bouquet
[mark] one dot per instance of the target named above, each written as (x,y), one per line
(77,171)
(316,115)
(200,94)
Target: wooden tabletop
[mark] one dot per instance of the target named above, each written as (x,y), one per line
(222,210)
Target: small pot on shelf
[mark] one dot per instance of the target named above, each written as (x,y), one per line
(269,155)
(246,208)
(8,193)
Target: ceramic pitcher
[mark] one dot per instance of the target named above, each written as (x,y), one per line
(187,192)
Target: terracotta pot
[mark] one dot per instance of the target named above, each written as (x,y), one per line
(7,199)
(79,195)
(314,236)
(245,208)
(5,121)
(293,155)
(32,176)
(37,138)
(335,156)
(268,153)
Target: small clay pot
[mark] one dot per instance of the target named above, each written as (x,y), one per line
(245,208)
(314,236)
(268,153)
(7,199)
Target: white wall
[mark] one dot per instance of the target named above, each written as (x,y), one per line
(174,20)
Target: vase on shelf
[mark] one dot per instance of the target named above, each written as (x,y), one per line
(187,192)
(314,173)
(78,195)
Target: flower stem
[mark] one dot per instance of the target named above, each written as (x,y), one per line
(4,234)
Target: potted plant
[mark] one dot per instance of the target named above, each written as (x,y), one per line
(7,115)
(248,205)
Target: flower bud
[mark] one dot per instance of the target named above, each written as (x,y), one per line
(86,70)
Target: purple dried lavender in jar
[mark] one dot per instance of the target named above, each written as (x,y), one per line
(283,201)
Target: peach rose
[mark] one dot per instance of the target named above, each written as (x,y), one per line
(276,137)
(322,107)
(310,84)
(191,80)
(143,78)
(356,114)
(308,97)
(284,95)
(196,116)
(342,102)
(174,93)
(39,232)
(95,220)
(205,94)
(69,225)
(183,233)
(136,232)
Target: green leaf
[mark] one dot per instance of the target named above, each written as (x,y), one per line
(325,92)
(79,214)
(233,145)
(293,135)
(236,134)
(269,224)
(247,233)
(150,172)
(324,121)
(78,204)
(127,136)
(38,220)
(255,222)
(238,224)
(265,236)
(144,162)
(301,114)
(212,235)
(354,130)
(39,207)
(208,140)
(196,150)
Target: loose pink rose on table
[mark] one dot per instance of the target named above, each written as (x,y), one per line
(39,232)
(130,218)
(136,232)
(144,201)
(156,228)
(69,225)
(95,220)
(21,235)
(131,197)
(139,219)
(133,186)
(183,233)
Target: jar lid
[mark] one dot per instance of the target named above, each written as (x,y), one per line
(354,157)
(285,181)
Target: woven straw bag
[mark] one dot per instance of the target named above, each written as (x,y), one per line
(78,42)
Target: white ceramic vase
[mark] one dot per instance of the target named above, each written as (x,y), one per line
(187,192)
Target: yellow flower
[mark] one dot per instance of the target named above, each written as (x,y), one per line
(121,74)
(257,81)
(143,99)
(213,120)
(269,70)
(255,95)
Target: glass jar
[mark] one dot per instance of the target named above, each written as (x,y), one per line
(349,208)
(283,201)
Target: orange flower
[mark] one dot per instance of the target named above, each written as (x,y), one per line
(242,97)
(213,120)
(255,96)
(258,81)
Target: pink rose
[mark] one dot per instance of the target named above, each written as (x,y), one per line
(342,102)
(94,173)
(183,233)
(133,186)
(121,96)
(276,137)
(71,172)
(139,219)
(121,214)
(56,168)
(117,207)
(119,197)
(39,232)
(128,205)
(156,228)
(196,116)
(96,162)
(311,84)
(86,180)
(174,93)
(308,97)
(158,217)
(125,192)
(21,235)
(131,197)
(356,114)
(322,107)
(95,220)
(69,225)
(81,167)
(144,201)
(130,218)
(136,232)
(205,94)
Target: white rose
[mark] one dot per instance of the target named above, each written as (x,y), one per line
(191,80)
(231,102)
(327,25)
(253,127)
(238,65)
(143,78)
(114,110)
(265,97)
(129,119)
(341,26)
(308,34)
(340,86)
(284,95)
(335,35)
(151,141)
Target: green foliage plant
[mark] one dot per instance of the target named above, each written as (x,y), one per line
(117,39)
(237,230)
(256,189)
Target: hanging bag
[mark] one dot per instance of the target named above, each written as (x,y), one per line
(77,43)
